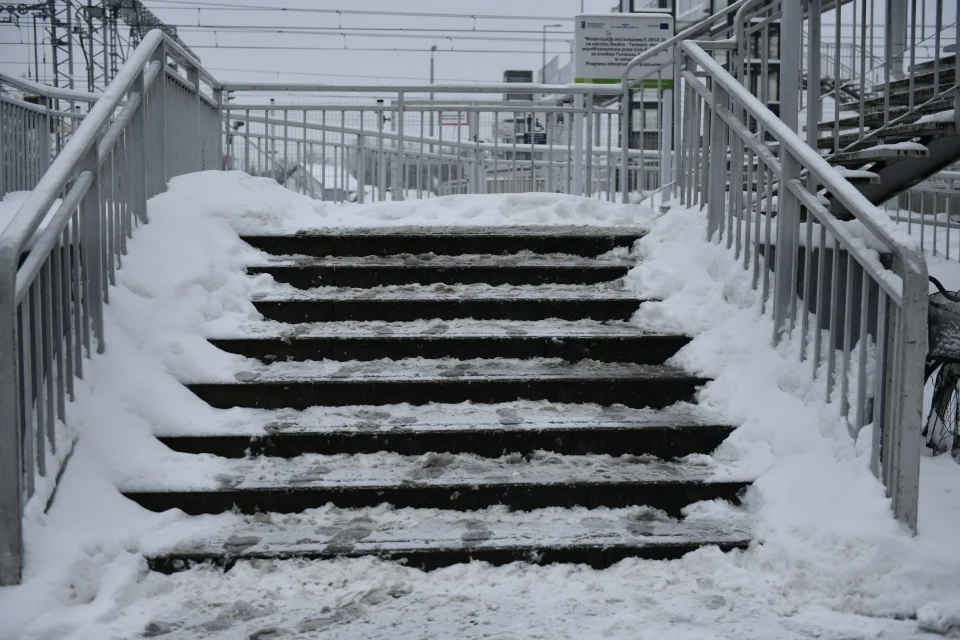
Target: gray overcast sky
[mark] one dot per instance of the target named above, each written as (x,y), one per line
(462,56)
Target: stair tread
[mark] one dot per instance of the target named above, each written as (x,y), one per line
(880,152)
(525,259)
(611,291)
(433,329)
(946,62)
(502,230)
(372,471)
(330,532)
(416,370)
(520,414)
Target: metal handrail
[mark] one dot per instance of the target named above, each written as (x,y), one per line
(865,212)
(894,316)
(48,91)
(54,272)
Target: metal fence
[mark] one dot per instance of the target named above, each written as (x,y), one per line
(859,317)
(930,212)
(435,140)
(35,122)
(156,120)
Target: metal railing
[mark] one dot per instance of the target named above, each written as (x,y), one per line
(930,212)
(903,52)
(853,295)
(156,120)
(426,141)
(33,129)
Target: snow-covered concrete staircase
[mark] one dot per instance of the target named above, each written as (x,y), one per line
(483,382)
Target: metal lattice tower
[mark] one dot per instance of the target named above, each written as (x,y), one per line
(87,40)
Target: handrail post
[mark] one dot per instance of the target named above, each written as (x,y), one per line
(139,152)
(193,76)
(718,174)
(92,255)
(3,153)
(626,117)
(588,147)
(399,170)
(11,441)
(158,139)
(906,425)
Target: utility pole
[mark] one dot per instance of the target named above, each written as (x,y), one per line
(543,67)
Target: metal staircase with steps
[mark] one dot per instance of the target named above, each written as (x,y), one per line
(909,133)
(492,392)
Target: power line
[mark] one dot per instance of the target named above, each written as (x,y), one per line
(434,30)
(336,34)
(343,75)
(348,48)
(211,6)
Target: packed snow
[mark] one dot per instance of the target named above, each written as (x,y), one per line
(828,559)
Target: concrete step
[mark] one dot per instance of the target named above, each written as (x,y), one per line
(435,539)
(440,481)
(299,385)
(443,302)
(488,431)
(571,240)
(308,273)
(464,339)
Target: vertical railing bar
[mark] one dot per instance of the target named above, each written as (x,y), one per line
(36,409)
(821,299)
(79,299)
(834,320)
(806,288)
(879,383)
(26,396)
(847,336)
(862,352)
(46,304)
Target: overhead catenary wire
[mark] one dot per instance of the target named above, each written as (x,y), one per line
(348,48)
(233,6)
(335,33)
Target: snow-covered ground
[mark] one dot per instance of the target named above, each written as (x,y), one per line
(829,561)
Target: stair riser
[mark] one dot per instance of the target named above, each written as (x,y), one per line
(367,277)
(296,311)
(669,497)
(388,245)
(597,557)
(666,443)
(639,349)
(654,393)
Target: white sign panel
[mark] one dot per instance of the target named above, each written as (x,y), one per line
(607,42)
(455,118)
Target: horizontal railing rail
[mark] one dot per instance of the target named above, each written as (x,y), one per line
(60,253)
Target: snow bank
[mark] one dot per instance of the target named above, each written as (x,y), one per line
(829,560)
(257,205)
(823,522)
